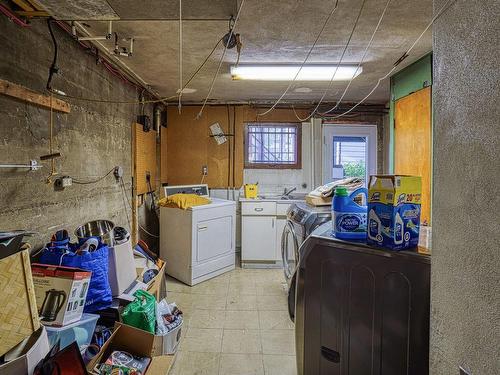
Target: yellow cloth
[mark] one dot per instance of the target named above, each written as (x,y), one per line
(183,201)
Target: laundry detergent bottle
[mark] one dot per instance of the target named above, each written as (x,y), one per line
(349,218)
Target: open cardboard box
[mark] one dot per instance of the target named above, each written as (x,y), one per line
(137,342)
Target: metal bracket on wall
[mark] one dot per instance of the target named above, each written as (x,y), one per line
(33,165)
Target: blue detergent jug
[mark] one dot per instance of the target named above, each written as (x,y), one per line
(349,218)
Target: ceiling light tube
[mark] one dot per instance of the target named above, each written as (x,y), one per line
(288,72)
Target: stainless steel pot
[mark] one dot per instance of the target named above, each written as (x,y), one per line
(98,228)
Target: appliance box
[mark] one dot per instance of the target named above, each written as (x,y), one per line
(60,293)
(26,363)
(122,271)
(394,211)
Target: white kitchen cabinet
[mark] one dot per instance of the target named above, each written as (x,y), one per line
(258,238)
(262,224)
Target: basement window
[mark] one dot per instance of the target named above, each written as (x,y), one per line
(273,145)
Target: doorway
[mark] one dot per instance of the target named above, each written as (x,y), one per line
(349,151)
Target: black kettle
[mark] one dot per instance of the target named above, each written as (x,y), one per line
(52,304)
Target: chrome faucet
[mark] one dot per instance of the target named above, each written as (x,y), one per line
(287,193)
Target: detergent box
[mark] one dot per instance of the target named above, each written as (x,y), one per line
(394,211)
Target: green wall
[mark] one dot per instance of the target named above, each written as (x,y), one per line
(412,78)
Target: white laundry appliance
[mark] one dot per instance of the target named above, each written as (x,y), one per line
(198,243)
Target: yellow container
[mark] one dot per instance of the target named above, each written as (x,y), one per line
(251,190)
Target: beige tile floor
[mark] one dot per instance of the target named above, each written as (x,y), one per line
(235,324)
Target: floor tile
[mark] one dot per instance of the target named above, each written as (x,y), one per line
(202,340)
(272,303)
(207,319)
(208,302)
(280,365)
(241,302)
(275,320)
(241,320)
(241,341)
(235,324)
(174,285)
(278,342)
(265,288)
(184,301)
(214,286)
(193,363)
(242,288)
(241,364)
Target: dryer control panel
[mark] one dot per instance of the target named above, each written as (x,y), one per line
(201,190)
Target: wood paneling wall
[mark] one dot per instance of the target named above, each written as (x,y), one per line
(186,144)
(412,146)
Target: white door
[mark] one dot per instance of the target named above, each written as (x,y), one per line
(214,238)
(349,151)
(258,238)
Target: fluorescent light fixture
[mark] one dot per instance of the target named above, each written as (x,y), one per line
(288,72)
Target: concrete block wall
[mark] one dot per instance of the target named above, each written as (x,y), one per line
(92,139)
(465,316)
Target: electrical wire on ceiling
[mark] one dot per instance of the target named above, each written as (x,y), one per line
(117,73)
(361,61)
(337,67)
(325,23)
(400,60)
(221,60)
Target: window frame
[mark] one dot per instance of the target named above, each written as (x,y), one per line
(298,145)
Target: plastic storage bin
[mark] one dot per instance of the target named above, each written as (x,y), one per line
(80,331)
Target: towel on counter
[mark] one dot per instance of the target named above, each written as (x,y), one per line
(183,201)
(351,183)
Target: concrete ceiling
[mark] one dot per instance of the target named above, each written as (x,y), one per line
(272,31)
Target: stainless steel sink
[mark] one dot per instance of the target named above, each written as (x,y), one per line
(291,197)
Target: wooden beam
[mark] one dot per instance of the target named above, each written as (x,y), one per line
(33,97)
(34,13)
(24,5)
(36,4)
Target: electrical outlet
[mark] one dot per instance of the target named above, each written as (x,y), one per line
(63,182)
(204,170)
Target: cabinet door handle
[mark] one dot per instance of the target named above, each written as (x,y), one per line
(330,355)
(273,222)
(200,229)
(258,209)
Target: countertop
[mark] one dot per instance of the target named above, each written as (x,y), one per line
(271,199)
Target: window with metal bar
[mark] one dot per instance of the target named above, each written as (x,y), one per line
(273,145)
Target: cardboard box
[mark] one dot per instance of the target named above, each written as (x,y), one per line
(394,211)
(60,293)
(26,355)
(136,342)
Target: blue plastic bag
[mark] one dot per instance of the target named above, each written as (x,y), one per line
(99,294)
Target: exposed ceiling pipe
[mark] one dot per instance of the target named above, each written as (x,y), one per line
(111,55)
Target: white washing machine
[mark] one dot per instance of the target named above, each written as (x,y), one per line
(198,243)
